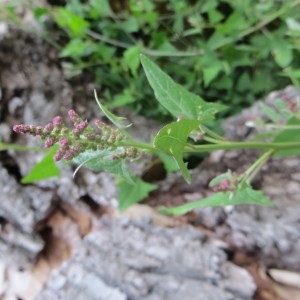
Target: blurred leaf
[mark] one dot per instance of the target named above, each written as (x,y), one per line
(289,136)
(131,59)
(67,20)
(210,73)
(102,7)
(122,99)
(244,83)
(75,48)
(217,40)
(129,25)
(270,112)
(215,16)
(282,52)
(45,169)
(244,196)
(293,24)
(129,194)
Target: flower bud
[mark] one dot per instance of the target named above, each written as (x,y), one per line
(59,154)
(50,142)
(57,121)
(64,142)
(49,127)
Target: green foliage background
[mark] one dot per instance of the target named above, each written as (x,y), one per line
(233,51)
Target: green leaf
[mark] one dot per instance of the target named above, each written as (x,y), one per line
(215,16)
(282,52)
(169,162)
(129,25)
(117,121)
(218,179)
(289,136)
(129,194)
(244,83)
(101,161)
(217,40)
(175,98)
(293,24)
(102,7)
(173,138)
(244,196)
(75,48)
(122,99)
(67,19)
(45,169)
(210,73)
(270,112)
(131,58)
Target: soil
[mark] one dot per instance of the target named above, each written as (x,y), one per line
(64,238)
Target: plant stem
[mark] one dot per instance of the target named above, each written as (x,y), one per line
(140,145)
(212,133)
(241,145)
(4,146)
(257,165)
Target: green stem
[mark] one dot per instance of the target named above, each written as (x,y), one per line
(241,145)
(140,145)
(4,146)
(211,140)
(212,133)
(257,165)
(281,126)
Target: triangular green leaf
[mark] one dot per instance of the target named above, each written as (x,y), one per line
(45,169)
(241,196)
(173,138)
(132,193)
(174,97)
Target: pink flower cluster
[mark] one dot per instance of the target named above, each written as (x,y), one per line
(224,186)
(72,142)
(228,184)
(293,105)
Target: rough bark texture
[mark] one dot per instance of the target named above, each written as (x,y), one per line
(63,238)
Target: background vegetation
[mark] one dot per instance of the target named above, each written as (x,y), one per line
(229,51)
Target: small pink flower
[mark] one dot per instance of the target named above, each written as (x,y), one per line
(59,154)
(39,130)
(49,127)
(224,186)
(74,117)
(18,128)
(57,121)
(81,126)
(50,142)
(68,155)
(64,142)
(90,136)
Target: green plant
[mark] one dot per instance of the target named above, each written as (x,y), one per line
(236,51)
(114,148)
